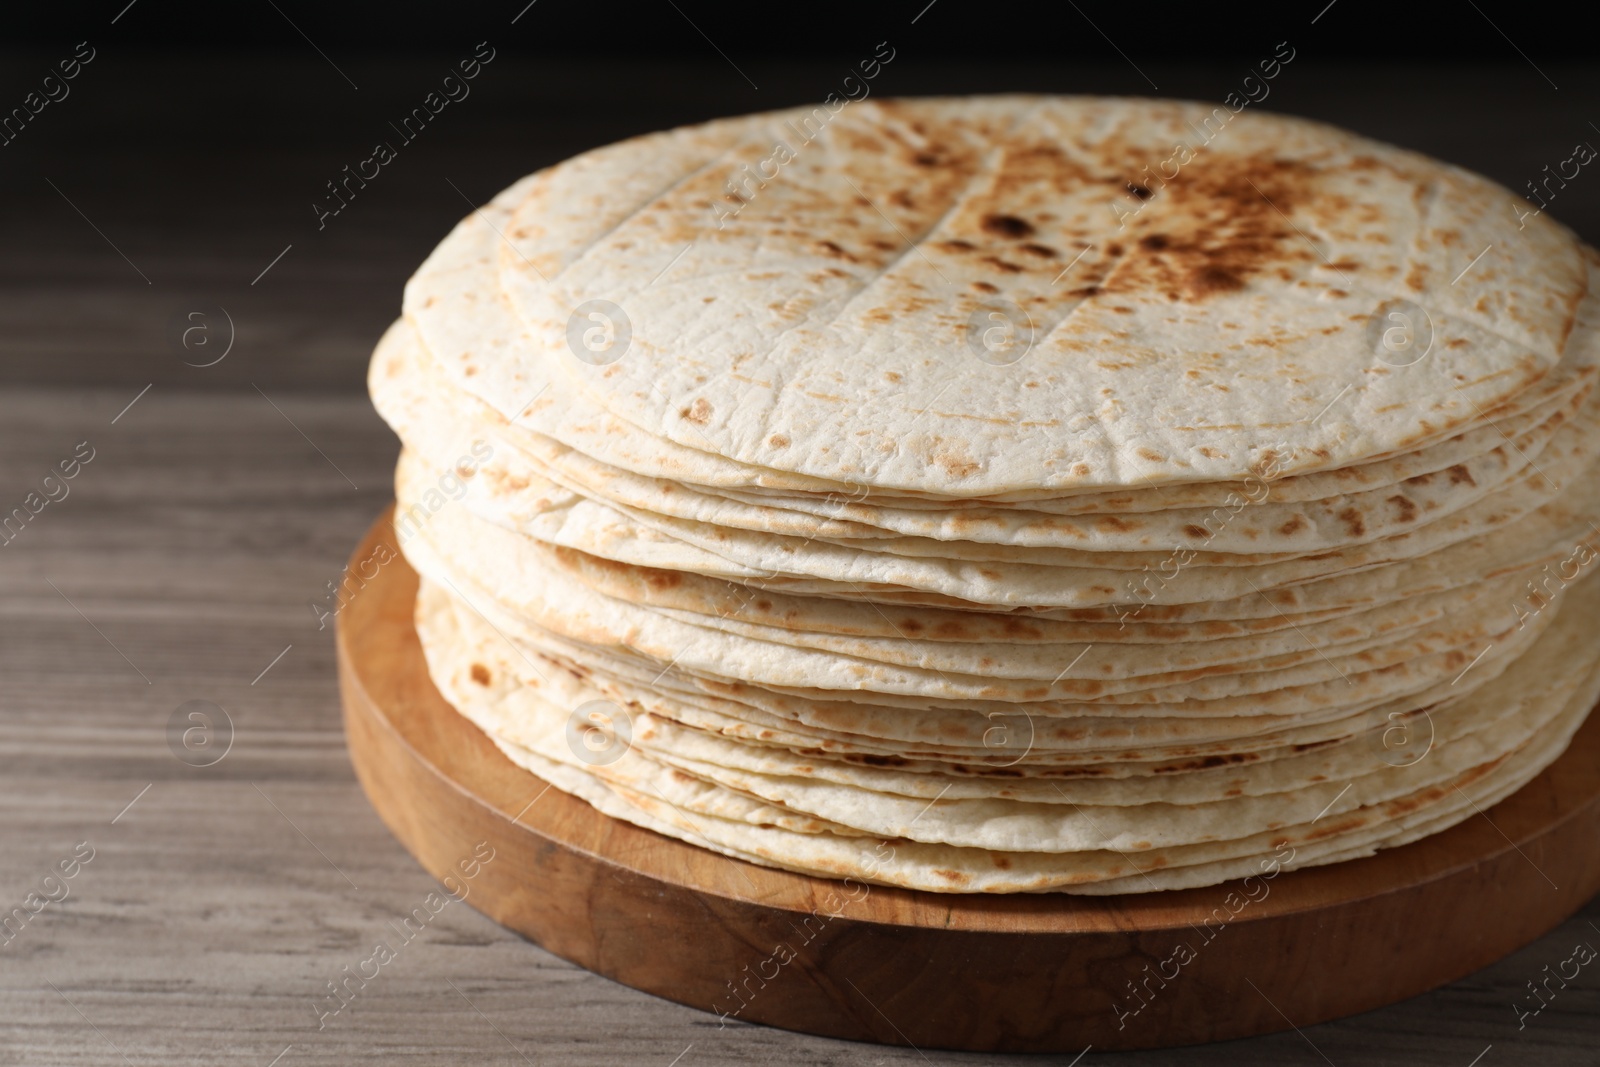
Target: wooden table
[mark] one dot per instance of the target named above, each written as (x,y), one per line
(183,562)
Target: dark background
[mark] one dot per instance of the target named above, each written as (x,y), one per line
(961,29)
(198,138)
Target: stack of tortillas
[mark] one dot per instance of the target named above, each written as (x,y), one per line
(1008,494)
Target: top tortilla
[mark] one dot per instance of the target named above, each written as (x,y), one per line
(820,336)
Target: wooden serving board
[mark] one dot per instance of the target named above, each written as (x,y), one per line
(1047,972)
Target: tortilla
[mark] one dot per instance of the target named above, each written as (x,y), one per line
(986,495)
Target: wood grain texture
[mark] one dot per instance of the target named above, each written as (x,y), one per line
(1024,972)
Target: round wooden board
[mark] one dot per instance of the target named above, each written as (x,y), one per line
(1046,972)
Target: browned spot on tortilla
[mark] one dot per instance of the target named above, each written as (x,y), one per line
(957,467)
(1039,250)
(480,674)
(1211,279)
(1003,265)
(1459,474)
(957,246)
(1354,822)
(1294,525)
(1194,530)
(835,251)
(778,440)
(1207,762)
(1351,518)
(698,412)
(660,579)
(1406,507)
(985,287)
(1222,227)
(1007,226)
